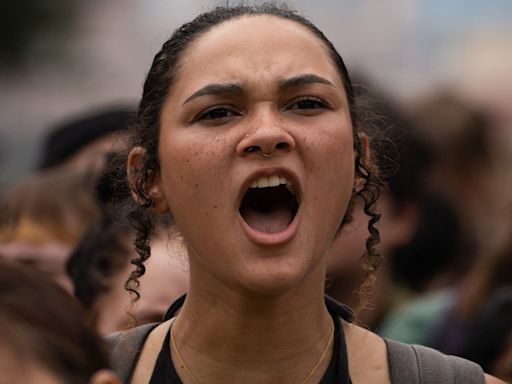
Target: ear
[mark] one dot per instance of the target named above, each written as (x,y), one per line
(104,376)
(365,158)
(152,185)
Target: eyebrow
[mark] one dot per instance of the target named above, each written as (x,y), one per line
(306,79)
(217,89)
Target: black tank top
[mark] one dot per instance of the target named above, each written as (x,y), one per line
(336,373)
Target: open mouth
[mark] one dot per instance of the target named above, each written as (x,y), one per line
(269,205)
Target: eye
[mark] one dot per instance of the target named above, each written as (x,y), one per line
(216,113)
(308,103)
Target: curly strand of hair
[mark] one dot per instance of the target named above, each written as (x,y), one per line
(143,221)
(372,258)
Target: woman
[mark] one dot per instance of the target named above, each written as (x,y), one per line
(247,134)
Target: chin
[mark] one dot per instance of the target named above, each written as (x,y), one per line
(274,281)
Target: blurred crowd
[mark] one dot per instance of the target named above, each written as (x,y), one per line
(446,236)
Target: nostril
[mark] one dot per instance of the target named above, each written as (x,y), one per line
(281,145)
(251,149)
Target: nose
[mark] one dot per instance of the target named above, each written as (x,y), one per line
(267,136)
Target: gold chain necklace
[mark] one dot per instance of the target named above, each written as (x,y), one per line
(306,379)
(185,366)
(322,356)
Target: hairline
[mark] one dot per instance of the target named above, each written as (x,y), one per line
(191,43)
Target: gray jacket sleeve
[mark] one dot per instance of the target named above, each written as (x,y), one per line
(125,348)
(415,364)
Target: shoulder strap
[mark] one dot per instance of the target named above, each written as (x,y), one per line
(415,364)
(125,348)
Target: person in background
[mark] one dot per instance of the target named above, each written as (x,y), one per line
(466,173)
(471,319)
(83,141)
(488,276)
(99,267)
(100,264)
(489,338)
(468,168)
(43,217)
(44,338)
(415,251)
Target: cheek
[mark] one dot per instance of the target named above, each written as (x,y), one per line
(333,156)
(191,169)
(338,172)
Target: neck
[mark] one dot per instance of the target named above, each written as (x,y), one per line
(227,336)
(343,288)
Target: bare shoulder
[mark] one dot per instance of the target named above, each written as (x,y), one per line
(493,380)
(367,355)
(149,354)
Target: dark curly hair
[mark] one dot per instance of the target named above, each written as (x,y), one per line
(161,77)
(103,251)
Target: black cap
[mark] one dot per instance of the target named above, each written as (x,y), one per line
(70,137)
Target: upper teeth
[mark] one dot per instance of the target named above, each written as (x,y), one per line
(271,181)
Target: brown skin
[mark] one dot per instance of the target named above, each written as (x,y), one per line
(493,380)
(267,297)
(255,311)
(205,162)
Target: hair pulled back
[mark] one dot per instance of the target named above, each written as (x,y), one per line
(161,77)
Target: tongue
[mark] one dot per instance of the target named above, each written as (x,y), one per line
(274,221)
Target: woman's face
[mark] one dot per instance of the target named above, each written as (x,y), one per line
(165,280)
(252,86)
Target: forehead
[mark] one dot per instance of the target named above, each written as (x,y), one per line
(256,45)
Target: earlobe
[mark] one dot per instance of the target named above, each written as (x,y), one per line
(156,195)
(104,376)
(152,184)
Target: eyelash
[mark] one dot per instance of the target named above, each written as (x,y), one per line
(319,103)
(208,114)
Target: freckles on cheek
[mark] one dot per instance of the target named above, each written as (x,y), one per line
(333,160)
(332,152)
(196,168)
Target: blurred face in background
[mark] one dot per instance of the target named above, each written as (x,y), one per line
(36,247)
(165,280)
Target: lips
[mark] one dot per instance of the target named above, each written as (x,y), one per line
(269,207)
